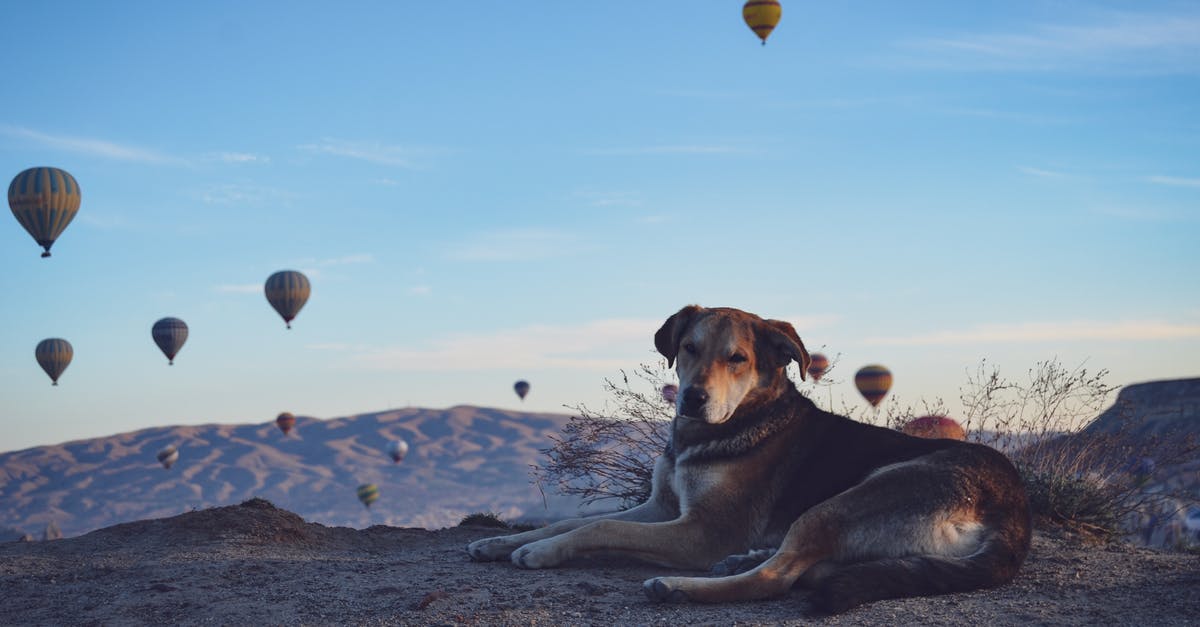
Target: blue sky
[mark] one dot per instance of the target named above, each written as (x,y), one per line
(497,191)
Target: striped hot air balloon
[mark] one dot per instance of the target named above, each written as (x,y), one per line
(817,366)
(762,16)
(170,334)
(368,493)
(54,355)
(285,422)
(168,456)
(873,382)
(44,200)
(287,291)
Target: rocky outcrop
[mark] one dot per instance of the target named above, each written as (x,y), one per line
(1155,408)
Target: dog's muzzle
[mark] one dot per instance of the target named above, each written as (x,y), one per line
(694,399)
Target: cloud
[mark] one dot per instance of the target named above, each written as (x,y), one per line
(249,288)
(1174,180)
(90,146)
(245,194)
(1040,173)
(514,245)
(420,290)
(240,157)
(371,151)
(1120,42)
(672,149)
(1080,330)
(598,345)
(610,199)
(346,260)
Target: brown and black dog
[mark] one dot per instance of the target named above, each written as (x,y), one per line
(855,512)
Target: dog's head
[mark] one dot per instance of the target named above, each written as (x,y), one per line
(726,357)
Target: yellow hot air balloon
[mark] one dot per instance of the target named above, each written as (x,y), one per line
(54,355)
(762,16)
(287,291)
(873,382)
(44,201)
(368,493)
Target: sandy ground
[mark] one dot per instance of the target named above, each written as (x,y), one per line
(256,564)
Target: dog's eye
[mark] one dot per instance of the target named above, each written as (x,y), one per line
(689,348)
(737,358)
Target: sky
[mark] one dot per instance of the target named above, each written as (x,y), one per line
(514,190)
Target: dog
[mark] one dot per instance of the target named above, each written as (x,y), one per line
(854,512)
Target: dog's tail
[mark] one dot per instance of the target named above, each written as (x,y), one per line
(846,587)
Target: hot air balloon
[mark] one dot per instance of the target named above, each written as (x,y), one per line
(368,493)
(873,383)
(762,16)
(818,366)
(935,427)
(44,200)
(522,388)
(669,391)
(397,449)
(168,456)
(54,355)
(170,334)
(285,421)
(287,291)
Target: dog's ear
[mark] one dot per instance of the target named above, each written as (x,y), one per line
(667,339)
(783,345)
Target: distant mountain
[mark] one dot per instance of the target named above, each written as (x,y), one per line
(1155,408)
(461,460)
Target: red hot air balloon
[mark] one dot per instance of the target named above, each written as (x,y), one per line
(521,388)
(286,421)
(873,382)
(935,427)
(818,366)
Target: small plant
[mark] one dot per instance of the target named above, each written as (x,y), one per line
(483,519)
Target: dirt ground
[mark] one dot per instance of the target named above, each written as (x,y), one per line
(256,564)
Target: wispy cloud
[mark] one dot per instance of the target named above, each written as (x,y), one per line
(597,345)
(514,245)
(1040,173)
(372,151)
(1110,42)
(610,198)
(420,290)
(1174,180)
(1130,330)
(248,288)
(672,149)
(240,157)
(245,194)
(90,146)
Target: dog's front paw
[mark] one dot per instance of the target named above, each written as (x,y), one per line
(663,589)
(540,554)
(737,564)
(491,549)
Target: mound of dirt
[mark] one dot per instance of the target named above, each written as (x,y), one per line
(256,564)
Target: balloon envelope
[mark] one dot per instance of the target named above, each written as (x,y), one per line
(44,201)
(54,355)
(522,388)
(285,421)
(168,456)
(170,334)
(762,16)
(287,291)
(873,382)
(368,493)
(818,366)
(935,427)
(397,449)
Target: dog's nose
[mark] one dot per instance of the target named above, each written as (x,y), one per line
(694,399)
